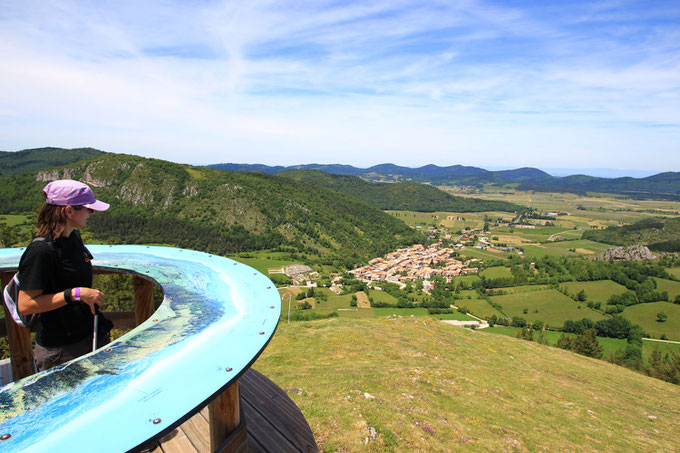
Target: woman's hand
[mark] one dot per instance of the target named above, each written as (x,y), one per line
(91,297)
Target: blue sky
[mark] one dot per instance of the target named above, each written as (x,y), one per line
(491,84)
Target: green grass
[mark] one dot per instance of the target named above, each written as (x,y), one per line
(425,386)
(471,252)
(263,264)
(382,296)
(675,271)
(496,272)
(581,246)
(598,291)
(536,251)
(14,220)
(645,316)
(456,316)
(673,288)
(478,307)
(388,311)
(549,306)
(523,289)
(466,279)
(610,345)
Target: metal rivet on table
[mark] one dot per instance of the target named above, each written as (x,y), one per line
(156,421)
(5,436)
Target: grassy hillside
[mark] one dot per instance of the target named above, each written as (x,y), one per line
(30,160)
(657,234)
(407,196)
(422,385)
(155,201)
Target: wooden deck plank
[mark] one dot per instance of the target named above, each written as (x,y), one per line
(270,438)
(278,409)
(198,432)
(176,442)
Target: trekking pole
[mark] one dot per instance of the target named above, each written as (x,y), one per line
(96,327)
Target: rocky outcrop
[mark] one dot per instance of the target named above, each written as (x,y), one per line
(630,253)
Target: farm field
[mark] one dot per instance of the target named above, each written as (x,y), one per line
(549,306)
(478,307)
(523,289)
(645,316)
(606,208)
(674,271)
(382,296)
(673,288)
(496,272)
(263,264)
(466,280)
(471,252)
(598,291)
(610,345)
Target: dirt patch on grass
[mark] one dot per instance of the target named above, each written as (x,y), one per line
(362,300)
(585,251)
(510,239)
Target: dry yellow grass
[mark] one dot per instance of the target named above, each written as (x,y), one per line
(424,386)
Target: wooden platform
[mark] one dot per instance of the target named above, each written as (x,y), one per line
(274,423)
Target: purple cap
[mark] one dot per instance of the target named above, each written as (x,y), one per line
(67,192)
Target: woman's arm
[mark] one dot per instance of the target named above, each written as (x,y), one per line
(34,301)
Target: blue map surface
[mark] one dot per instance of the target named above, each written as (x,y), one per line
(216,317)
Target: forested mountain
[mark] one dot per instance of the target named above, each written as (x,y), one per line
(155,201)
(664,185)
(30,160)
(661,235)
(407,195)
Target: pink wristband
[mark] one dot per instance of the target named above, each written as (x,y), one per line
(76,293)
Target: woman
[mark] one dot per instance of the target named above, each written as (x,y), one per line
(55,276)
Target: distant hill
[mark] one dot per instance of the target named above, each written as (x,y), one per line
(155,201)
(660,235)
(30,160)
(663,186)
(406,196)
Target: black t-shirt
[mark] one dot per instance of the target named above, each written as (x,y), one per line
(68,266)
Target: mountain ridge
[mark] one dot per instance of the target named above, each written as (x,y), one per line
(664,185)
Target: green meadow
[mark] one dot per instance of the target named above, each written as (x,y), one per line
(670,286)
(496,272)
(597,291)
(471,252)
(549,306)
(645,315)
(609,345)
(478,307)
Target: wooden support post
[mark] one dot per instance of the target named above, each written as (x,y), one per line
(143,299)
(19,338)
(224,416)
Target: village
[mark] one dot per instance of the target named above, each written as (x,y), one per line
(413,263)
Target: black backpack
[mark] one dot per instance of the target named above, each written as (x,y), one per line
(11,294)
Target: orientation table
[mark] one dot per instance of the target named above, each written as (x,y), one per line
(216,317)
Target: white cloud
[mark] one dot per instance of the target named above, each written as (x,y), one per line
(365,82)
